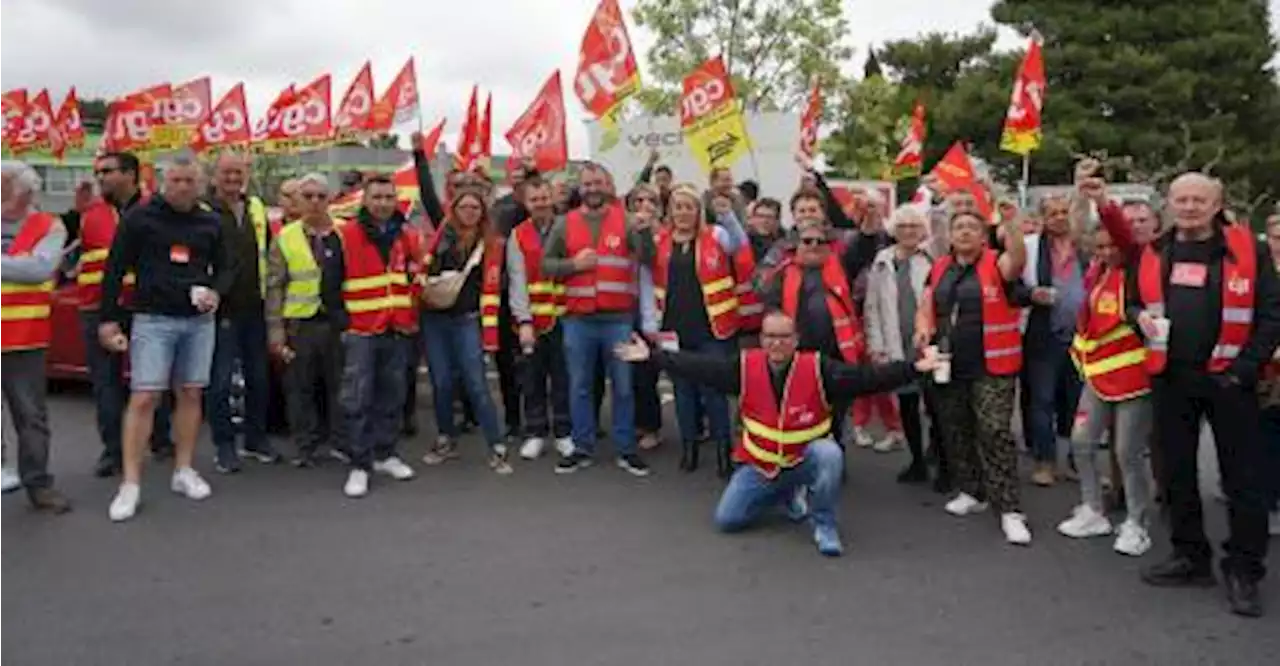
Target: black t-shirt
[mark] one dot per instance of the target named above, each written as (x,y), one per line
(1191,309)
(686,310)
(958,303)
(813,319)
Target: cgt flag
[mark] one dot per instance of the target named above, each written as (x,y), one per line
(607,73)
(1022,124)
(911,152)
(710,119)
(539,133)
(226,125)
(809,121)
(68,128)
(351,118)
(955,172)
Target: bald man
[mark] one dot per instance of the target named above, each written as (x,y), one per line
(1207,301)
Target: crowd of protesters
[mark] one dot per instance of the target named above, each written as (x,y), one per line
(1104,327)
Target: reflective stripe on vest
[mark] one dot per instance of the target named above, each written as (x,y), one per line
(546,295)
(1001,330)
(750,307)
(776,432)
(25,308)
(256,211)
(844,319)
(611,286)
(377,295)
(1239,284)
(302,292)
(491,292)
(713,269)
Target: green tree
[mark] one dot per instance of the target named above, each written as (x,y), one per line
(772,48)
(93,113)
(1159,88)
(866,141)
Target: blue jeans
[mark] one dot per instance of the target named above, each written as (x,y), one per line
(588,342)
(750,493)
(454,350)
(693,399)
(242,339)
(1050,394)
(106,373)
(373,390)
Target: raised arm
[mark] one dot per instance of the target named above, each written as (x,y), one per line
(1014,256)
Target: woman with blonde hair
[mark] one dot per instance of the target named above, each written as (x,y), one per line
(457,335)
(694,289)
(895,288)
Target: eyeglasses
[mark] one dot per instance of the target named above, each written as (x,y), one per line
(312,196)
(102,171)
(812,241)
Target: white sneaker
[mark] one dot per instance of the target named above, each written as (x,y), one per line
(862,438)
(891,442)
(188,482)
(125,503)
(394,468)
(1133,540)
(532,448)
(357,484)
(965,504)
(564,446)
(10,480)
(1085,522)
(1015,529)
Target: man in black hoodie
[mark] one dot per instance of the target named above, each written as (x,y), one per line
(242,325)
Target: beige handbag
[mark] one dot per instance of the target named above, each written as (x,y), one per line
(440,292)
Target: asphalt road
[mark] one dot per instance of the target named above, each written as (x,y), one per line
(460,566)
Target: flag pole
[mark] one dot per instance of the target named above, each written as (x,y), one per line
(1023,185)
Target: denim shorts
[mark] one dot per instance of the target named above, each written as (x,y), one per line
(170,352)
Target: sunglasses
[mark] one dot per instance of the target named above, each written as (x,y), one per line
(819,242)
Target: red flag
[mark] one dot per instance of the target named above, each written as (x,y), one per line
(67,125)
(15,108)
(37,130)
(1021,133)
(469,143)
(432,139)
(486,132)
(271,119)
(911,153)
(130,119)
(539,133)
(399,103)
(226,125)
(304,120)
(353,113)
(184,111)
(955,172)
(607,73)
(809,121)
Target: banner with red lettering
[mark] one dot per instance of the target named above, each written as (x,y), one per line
(14,109)
(910,158)
(351,119)
(1021,133)
(469,147)
(185,109)
(227,125)
(303,122)
(710,118)
(130,119)
(810,120)
(607,73)
(36,130)
(539,133)
(68,127)
(399,103)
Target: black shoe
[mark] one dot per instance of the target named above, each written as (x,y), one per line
(227,463)
(107,466)
(48,499)
(689,456)
(1179,571)
(942,482)
(410,428)
(162,453)
(1242,595)
(573,462)
(724,462)
(634,465)
(304,461)
(916,472)
(265,456)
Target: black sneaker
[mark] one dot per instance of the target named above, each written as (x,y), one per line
(1179,571)
(227,463)
(634,465)
(573,462)
(304,461)
(267,456)
(106,466)
(916,472)
(162,453)
(1242,595)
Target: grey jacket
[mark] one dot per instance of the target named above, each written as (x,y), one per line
(881,322)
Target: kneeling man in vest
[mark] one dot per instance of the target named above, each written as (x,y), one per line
(786,451)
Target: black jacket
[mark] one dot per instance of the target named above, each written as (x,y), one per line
(170,251)
(245,293)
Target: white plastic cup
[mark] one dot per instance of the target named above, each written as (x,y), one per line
(1162,329)
(942,373)
(198,294)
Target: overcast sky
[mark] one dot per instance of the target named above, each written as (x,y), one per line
(110,47)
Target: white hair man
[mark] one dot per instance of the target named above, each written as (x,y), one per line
(32,248)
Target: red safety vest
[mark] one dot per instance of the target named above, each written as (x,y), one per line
(25,308)
(1239,280)
(775,433)
(844,317)
(750,307)
(98,226)
(546,294)
(491,291)
(1106,350)
(378,296)
(715,277)
(1001,331)
(611,286)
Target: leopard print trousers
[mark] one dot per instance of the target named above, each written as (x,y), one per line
(977,431)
